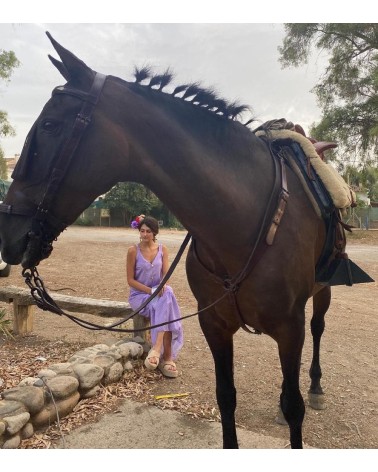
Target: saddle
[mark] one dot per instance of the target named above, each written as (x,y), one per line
(334,266)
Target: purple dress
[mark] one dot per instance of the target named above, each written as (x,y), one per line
(162,308)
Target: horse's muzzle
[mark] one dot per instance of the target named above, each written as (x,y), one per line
(12,253)
(37,249)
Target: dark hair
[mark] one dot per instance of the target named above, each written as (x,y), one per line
(151,223)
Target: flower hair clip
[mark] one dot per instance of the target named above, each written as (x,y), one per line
(138,219)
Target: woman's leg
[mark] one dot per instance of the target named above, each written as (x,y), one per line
(167,343)
(167,354)
(157,347)
(166,311)
(163,339)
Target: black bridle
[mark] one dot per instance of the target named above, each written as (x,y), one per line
(41,212)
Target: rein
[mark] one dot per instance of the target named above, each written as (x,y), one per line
(45,302)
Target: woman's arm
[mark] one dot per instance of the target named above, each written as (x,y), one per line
(130,272)
(165,265)
(164,268)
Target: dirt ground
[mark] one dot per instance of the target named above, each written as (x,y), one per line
(90,262)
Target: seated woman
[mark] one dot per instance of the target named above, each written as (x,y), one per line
(146,265)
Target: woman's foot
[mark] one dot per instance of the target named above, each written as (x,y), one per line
(152,360)
(168,369)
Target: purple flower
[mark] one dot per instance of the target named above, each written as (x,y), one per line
(134,224)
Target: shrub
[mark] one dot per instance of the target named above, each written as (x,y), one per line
(5,324)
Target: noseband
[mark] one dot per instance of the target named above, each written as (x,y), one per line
(41,212)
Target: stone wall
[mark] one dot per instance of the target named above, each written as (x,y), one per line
(37,401)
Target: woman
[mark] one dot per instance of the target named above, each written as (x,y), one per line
(146,265)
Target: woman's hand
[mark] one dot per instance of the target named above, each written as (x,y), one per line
(161,293)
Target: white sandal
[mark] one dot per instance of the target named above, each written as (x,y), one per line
(151,365)
(170,373)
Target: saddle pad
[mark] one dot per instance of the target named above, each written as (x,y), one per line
(342,195)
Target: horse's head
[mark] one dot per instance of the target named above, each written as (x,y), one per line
(55,160)
(97,131)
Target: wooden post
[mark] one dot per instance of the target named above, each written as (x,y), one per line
(22,318)
(142,322)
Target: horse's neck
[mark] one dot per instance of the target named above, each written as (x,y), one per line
(208,183)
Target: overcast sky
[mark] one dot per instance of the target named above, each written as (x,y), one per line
(238,58)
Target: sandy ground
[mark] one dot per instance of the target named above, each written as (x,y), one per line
(90,262)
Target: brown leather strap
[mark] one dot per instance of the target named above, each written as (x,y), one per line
(232,284)
(284,196)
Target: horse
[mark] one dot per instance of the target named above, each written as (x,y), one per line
(256,239)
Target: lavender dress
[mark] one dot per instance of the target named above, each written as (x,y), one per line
(162,308)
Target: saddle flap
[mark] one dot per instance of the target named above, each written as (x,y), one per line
(343,271)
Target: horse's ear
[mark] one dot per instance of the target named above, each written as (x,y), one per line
(61,67)
(71,67)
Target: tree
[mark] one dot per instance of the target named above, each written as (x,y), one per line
(132,198)
(347,91)
(8,62)
(3,167)
(366,178)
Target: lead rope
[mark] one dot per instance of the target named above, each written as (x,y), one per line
(45,302)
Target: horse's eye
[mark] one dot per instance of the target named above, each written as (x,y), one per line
(49,125)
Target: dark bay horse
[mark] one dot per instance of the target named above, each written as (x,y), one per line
(216,176)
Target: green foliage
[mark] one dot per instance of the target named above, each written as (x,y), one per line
(132,198)
(169,220)
(3,168)
(5,325)
(5,130)
(348,90)
(84,222)
(5,127)
(4,186)
(365,177)
(8,62)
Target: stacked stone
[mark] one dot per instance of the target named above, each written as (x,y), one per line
(37,402)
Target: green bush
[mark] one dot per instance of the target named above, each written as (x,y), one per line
(5,324)
(84,222)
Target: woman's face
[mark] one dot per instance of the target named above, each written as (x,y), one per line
(146,234)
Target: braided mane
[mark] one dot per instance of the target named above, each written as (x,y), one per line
(193,93)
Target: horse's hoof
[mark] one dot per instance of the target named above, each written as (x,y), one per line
(280,419)
(316,401)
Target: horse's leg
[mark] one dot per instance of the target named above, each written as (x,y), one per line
(321,302)
(220,341)
(290,347)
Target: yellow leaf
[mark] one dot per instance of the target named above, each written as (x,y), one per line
(171,395)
